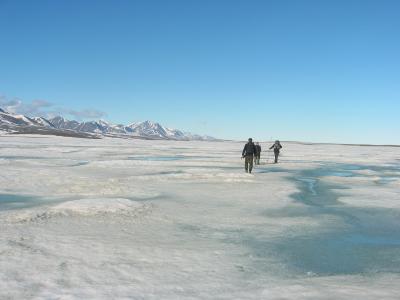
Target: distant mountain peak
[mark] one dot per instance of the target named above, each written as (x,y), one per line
(44,122)
(105,123)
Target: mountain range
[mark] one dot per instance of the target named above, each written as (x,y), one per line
(14,123)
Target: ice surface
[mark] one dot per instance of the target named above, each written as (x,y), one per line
(136,219)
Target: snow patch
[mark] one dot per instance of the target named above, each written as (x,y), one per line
(81,208)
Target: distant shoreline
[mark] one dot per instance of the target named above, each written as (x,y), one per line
(343,144)
(322,143)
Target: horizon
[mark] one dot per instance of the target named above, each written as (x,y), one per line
(305,71)
(232,140)
(304,142)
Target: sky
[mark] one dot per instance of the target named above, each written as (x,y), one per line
(313,71)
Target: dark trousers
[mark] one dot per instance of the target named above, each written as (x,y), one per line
(276,156)
(248,163)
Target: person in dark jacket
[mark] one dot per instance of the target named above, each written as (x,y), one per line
(248,153)
(277,147)
(258,155)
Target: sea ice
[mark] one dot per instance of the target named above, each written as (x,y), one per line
(139,219)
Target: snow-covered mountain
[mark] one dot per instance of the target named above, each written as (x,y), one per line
(146,129)
(153,129)
(44,122)
(14,119)
(99,127)
(14,123)
(59,125)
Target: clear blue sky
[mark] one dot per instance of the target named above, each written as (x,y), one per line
(294,70)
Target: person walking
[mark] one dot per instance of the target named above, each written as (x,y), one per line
(258,154)
(248,153)
(277,147)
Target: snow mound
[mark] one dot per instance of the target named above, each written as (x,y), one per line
(90,207)
(83,208)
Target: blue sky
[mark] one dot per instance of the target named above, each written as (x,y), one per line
(323,71)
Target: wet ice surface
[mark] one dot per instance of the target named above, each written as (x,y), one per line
(16,201)
(368,243)
(113,219)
